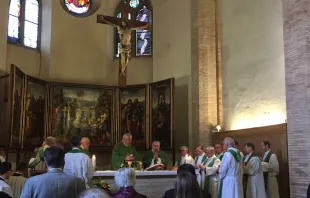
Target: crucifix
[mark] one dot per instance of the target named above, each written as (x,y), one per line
(124,27)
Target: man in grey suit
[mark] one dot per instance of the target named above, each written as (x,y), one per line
(55,183)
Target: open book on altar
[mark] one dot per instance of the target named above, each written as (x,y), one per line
(156,167)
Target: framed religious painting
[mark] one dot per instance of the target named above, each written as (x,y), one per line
(35,112)
(83,110)
(162,112)
(16,99)
(5,109)
(133,102)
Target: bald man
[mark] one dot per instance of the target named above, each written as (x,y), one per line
(155,156)
(37,162)
(210,169)
(230,172)
(124,154)
(84,146)
(78,163)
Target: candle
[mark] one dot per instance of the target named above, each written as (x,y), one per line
(186,159)
(93,160)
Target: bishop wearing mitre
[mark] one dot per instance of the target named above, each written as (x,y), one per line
(155,156)
(124,154)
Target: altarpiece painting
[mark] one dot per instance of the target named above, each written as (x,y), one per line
(35,112)
(161,113)
(133,114)
(83,110)
(37,109)
(17,88)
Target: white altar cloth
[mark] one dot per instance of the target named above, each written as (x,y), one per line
(153,184)
(110,173)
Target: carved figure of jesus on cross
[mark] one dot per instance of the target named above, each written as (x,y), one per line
(124,27)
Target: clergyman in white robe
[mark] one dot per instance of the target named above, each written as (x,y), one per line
(230,174)
(78,164)
(255,184)
(212,166)
(199,160)
(272,167)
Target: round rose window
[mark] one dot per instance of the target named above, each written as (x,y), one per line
(78,6)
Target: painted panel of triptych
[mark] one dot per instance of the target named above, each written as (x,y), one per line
(83,110)
(17,85)
(161,112)
(133,114)
(35,113)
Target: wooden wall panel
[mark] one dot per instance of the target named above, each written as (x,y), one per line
(276,135)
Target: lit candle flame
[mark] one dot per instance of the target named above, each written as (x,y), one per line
(93,160)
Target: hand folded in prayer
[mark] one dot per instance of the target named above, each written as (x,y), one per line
(155,156)
(129,158)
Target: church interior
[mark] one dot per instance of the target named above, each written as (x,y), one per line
(216,68)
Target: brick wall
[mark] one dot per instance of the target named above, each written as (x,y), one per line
(296,21)
(204,70)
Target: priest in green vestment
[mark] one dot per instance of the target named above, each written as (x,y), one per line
(155,156)
(124,154)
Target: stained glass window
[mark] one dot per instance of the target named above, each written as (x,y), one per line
(134,3)
(78,6)
(24,29)
(119,15)
(144,37)
(31,23)
(141,41)
(14,21)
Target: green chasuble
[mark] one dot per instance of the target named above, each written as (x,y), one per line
(148,157)
(119,153)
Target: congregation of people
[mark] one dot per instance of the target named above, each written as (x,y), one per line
(219,171)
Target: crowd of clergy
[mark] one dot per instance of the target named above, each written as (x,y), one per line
(222,171)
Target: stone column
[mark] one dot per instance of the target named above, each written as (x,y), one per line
(205,111)
(296,21)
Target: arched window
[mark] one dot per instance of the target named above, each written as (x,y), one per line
(141,41)
(24,22)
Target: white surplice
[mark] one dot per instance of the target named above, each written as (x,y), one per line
(79,165)
(273,170)
(213,176)
(4,187)
(255,184)
(230,173)
(198,160)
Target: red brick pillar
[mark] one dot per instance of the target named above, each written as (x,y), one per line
(296,19)
(205,73)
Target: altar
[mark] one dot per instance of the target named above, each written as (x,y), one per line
(153,184)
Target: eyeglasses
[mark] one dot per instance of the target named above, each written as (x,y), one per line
(183,150)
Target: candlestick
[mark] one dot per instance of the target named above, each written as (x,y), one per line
(93,160)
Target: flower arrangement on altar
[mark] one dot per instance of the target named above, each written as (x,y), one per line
(102,184)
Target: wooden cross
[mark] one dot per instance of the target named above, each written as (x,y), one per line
(117,22)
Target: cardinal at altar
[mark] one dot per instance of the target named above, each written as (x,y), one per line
(124,154)
(155,156)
